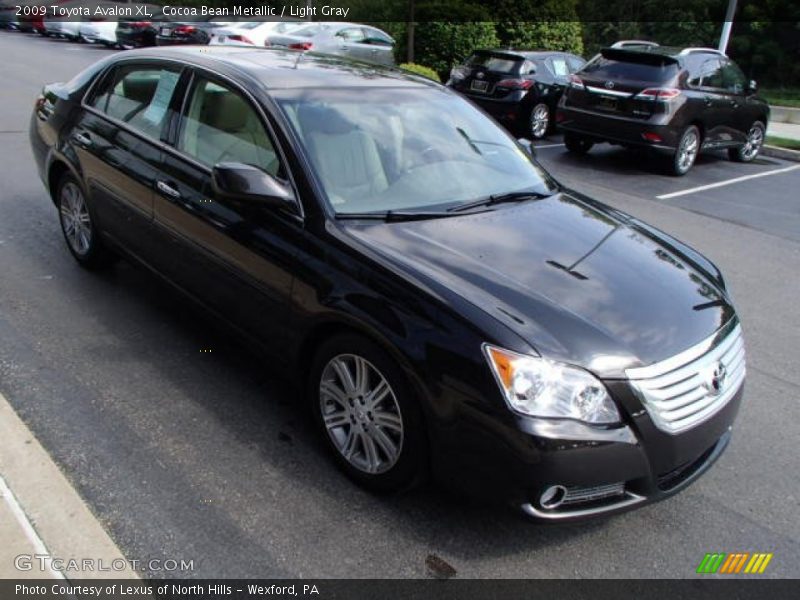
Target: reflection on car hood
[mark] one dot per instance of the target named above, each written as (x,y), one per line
(580,283)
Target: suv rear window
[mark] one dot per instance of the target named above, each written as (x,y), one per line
(494,62)
(634,68)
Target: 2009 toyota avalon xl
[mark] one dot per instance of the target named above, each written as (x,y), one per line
(448,307)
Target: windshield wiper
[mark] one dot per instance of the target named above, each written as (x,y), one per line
(396,215)
(500,199)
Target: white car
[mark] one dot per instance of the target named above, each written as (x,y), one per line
(251,33)
(98,32)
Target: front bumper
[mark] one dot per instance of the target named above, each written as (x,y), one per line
(515,461)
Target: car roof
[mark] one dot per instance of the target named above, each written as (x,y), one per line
(285,69)
(535,54)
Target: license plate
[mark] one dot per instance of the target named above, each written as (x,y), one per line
(608,103)
(479,86)
(166,31)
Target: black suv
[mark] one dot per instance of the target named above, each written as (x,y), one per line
(676,100)
(520,89)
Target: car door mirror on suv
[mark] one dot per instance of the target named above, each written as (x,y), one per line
(752,87)
(250,184)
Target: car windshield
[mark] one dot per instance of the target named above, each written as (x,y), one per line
(390,149)
(495,63)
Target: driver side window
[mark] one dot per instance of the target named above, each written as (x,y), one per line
(220,125)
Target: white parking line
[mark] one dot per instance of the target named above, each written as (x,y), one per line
(27,528)
(710,186)
(548,146)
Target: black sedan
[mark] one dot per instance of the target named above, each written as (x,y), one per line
(519,88)
(446,306)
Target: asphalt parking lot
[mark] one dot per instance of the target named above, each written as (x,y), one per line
(193,455)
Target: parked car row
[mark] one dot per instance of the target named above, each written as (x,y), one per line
(673,101)
(162,29)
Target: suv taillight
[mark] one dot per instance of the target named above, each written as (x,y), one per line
(240,38)
(658,94)
(515,84)
(576,82)
(301,46)
(185,29)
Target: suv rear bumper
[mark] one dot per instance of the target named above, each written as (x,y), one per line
(617,130)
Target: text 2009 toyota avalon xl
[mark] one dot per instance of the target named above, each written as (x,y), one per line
(448,306)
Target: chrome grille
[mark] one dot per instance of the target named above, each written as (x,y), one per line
(578,495)
(680,392)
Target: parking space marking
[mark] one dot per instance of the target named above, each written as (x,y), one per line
(549,146)
(27,527)
(710,186)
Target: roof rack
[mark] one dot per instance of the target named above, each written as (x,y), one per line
(686,51)
(626,43)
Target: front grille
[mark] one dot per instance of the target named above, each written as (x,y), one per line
(579,495)
(687,389)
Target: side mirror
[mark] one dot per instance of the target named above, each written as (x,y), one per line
(752,86)
(238,181)
(527,147)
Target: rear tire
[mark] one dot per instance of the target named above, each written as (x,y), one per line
(686,154)
(539,121)
(77,224)
(367,414)
(749,151)
(577,144)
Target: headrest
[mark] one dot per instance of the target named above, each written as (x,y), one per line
(225,111)
(316,118)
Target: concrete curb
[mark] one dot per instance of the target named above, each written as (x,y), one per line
(49,511)
(784,153)
(784,114)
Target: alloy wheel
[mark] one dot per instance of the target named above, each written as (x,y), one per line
(755,138)
(687,151)
(75,219)
(540,121)
(361,413)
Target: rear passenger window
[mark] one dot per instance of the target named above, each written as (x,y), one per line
(560,67)
(710,74)
(221,126)
(139,96)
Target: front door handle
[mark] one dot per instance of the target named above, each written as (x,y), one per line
(167,189)
(82,139)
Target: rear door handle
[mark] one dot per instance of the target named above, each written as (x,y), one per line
(167,189)
(82,139)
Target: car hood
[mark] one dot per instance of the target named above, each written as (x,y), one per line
(578,281)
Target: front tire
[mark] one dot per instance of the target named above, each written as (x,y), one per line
(77,225)
(750,150)
(577,144)
(686,154)
(367,414)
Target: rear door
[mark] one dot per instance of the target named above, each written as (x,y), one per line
(235,257)
(118,143)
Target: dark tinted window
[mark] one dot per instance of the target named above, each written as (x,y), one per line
(733,79)
(604,68)
(139,96)
(710,74)
(352,34)
(496,63)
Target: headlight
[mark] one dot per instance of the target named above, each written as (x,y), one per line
(545,388)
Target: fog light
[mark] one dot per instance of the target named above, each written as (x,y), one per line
(652,137)
(553,496)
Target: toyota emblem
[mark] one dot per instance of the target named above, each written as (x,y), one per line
(609,85)
(479,75)
(714,379)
